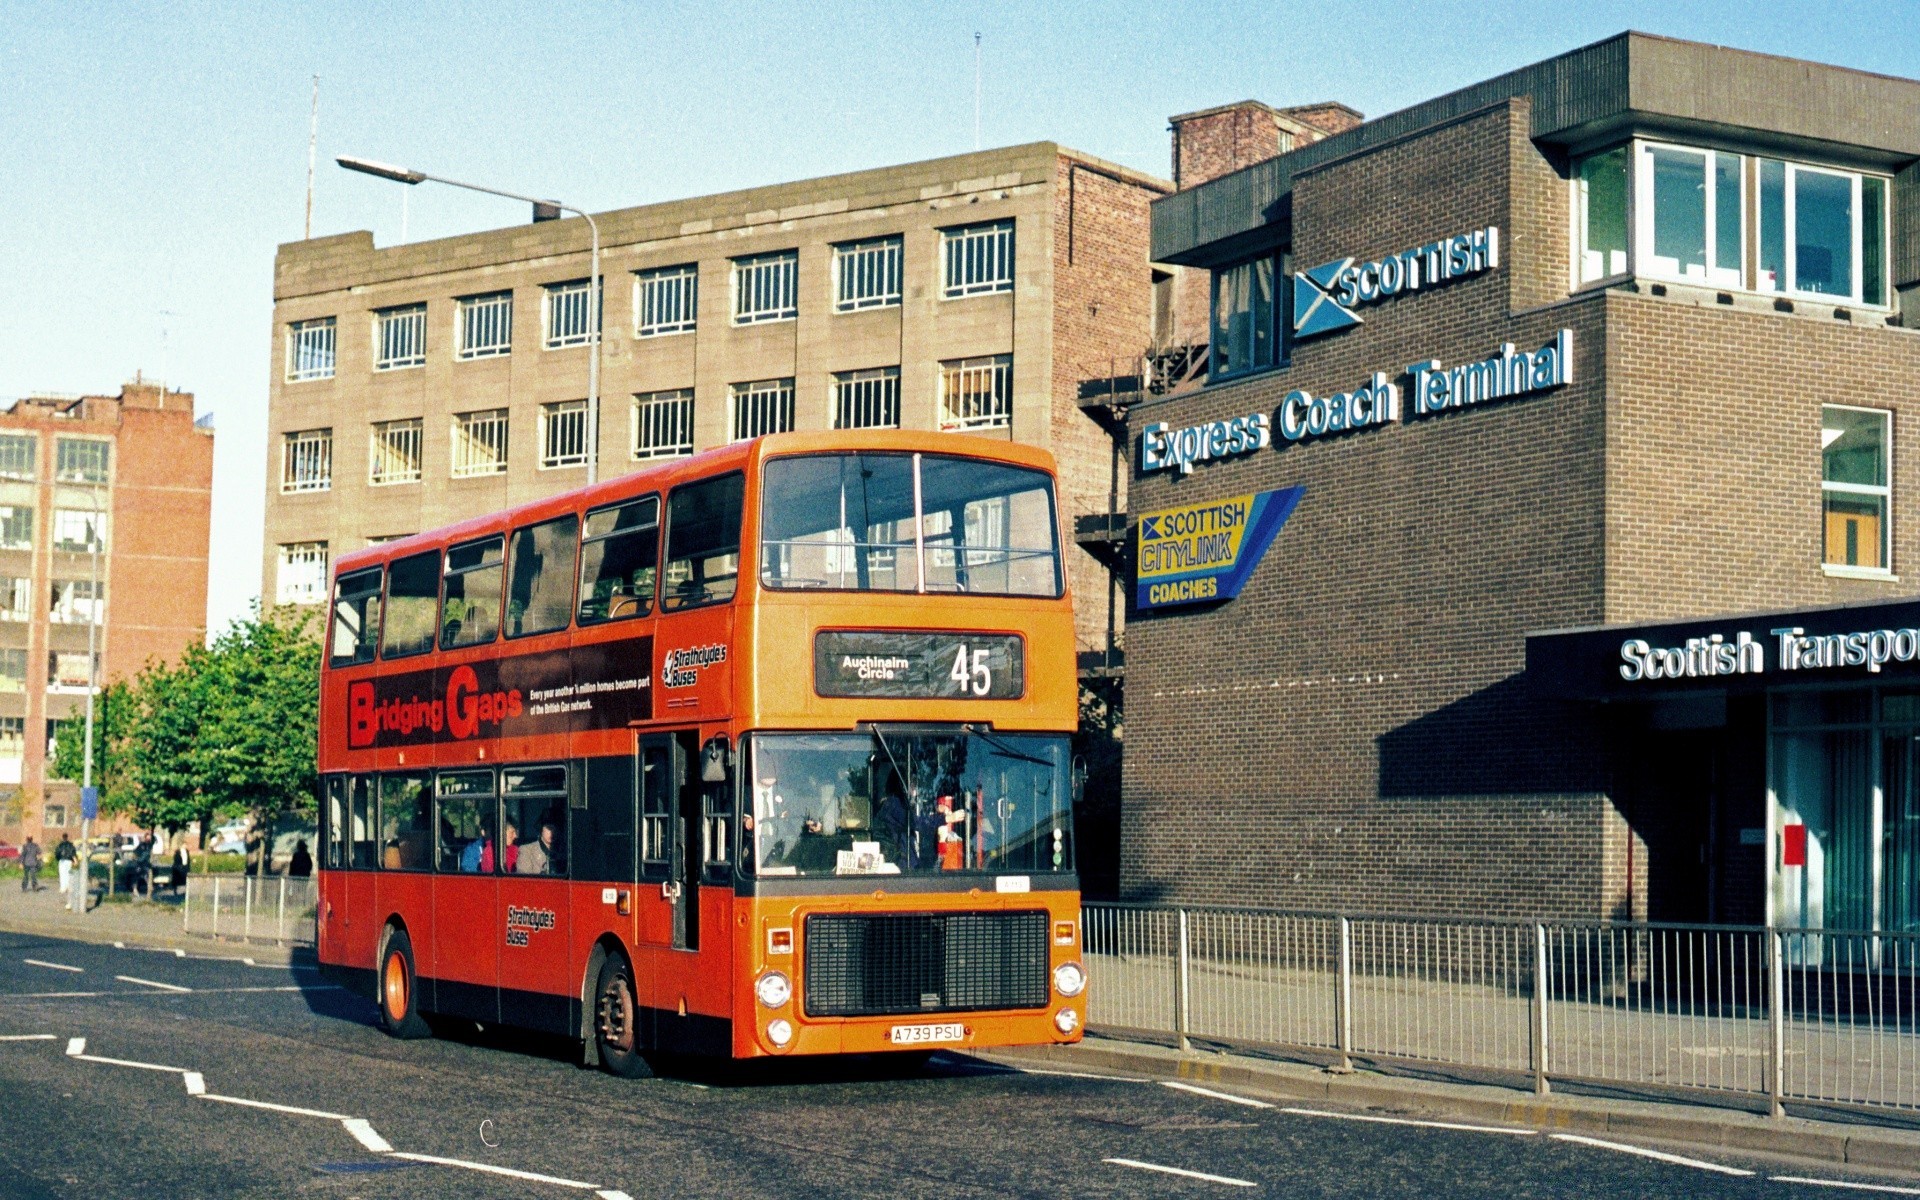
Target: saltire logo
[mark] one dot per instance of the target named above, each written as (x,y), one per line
(1315,311)
(1203,552)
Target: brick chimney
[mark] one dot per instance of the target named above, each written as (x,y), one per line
(1219,141)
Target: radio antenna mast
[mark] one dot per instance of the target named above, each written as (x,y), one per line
(976,90)
(313,141)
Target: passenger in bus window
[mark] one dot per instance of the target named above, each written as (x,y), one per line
(478,853)
(509,853)
(536,857)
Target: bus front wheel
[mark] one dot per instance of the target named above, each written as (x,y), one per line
(398,991)
(616,1020)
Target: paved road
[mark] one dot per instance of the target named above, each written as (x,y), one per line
(87,1120)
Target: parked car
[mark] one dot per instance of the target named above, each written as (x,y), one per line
(9,852)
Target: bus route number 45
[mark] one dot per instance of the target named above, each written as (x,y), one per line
(970,671)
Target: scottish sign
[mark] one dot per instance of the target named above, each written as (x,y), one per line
(1325,297)
(1207,551)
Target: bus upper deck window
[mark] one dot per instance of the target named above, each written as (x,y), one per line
(617,557)
(413,601)
(470,613)
(356,618)
(703,542)
(540,587)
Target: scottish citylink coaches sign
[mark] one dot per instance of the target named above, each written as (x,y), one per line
(1324,298)
(1201,552)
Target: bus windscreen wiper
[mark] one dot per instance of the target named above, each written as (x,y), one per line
(1005,749)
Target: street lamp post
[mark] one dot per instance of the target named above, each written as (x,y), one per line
(409,177)
(77,895)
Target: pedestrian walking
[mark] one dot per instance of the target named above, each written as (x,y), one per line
(301,866)
(63,856)
(142,881)
(30,866)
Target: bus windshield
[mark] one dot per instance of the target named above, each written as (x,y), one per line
(910,803)
(908,523)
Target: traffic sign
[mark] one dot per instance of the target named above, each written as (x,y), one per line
(89,803)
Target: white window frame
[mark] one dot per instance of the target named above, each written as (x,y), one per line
(562,306)
(758,408)
(1883,491)
(92,525)
(74,609)
(666,300)
(986,246)
(998,411)
(1642,216)
(492,314)
(306,461)
(866,274)
(1789,217)
(400,337)
(311,350)
(867,399)
(479,443)
(563,424)
(7,513)
(16,598)
(766,287)
(393,452)
(302,574)
(663,424)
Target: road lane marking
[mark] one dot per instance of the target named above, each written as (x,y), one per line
(126,1062)
(490,1169)
(52,966)
(1229,1097)
(29,1037)
(1137,1165)
(196,1083)
(226,991)
(1656,1155)
(1080,1075)
(279,1108)
(1845,1183)
(1340,1116)
(363,1133)
(165,987)
(610,1194)
(76,1046)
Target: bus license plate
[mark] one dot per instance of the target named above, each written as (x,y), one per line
(915,1035)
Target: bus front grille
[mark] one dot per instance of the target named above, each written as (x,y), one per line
(860,965)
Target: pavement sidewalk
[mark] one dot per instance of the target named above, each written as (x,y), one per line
(1859,1145)
(136,922)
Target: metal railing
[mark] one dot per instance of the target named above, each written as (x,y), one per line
(275,908)
(1733,1014)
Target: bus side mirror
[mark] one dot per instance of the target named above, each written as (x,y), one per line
(713,761)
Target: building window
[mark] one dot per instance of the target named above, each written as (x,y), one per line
(306,461)
(760,408)
(1246,318)
(1855,486)
(1823,233)
(13,670)
(867,399)
(766,287)
(977,393)
(56,815)
(54,725)
(571,320)
(18,455)
(72,670)
(16,598)
(1601,190)
(81,460)
(13,738)
(663,424)
(665,300)
(16,527)
(480,443)
(78,602)
(1690,214)
(394,452)
(486,325)
(79,530)
(976,259)
(563,434)
(310,350)
(303,573)
(866,274)
(400,337)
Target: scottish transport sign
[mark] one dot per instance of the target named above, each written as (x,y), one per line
(1206,551)
(1325,297)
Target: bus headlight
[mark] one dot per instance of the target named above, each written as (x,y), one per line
(779,1031)
(1069,979)
(1066,1020)
(774,990)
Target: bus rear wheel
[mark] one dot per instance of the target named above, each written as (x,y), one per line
(616,1020)
(397,989)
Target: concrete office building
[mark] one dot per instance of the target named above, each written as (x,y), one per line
(105,512)
(1616,343)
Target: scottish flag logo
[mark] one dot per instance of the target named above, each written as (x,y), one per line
(1315,311)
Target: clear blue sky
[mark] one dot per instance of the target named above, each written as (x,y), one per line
(153,154)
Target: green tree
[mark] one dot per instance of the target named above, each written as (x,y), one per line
(116,715)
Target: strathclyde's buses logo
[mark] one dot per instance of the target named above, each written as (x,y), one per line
(523,923)
(681,668)
(463,711)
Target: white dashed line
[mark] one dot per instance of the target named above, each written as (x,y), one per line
(1229,1097)
(279,1108)
(363,1133)
(165,987)
(51,966)
(610,1194)
(1081,1075)
(1844,1183)
(126,1062)
(1656,1155)
(490,1169)
(1137,1165)
(76,1047)
(29,1037)
(196,1083)
(1340,1116)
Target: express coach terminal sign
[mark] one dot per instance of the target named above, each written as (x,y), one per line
(589,687)
(908,664)
(1207,551)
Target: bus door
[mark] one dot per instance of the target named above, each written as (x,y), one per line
(359,925)
(535,917)
(663,858)
(466,950)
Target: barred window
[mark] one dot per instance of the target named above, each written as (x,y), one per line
(79,530)
(395,452)
(479,443)
(18,455)
(571,320)
(665,300)
(16,527)
(81,460)
(663,424)
(310,350)
(766,287)
(486,325)
(302,577)
(976,259)
(400,337)
(563,434)
(761,408)
(866,274)
(306,461)
(976,393)
(13,670)
(16,598)
(867,399)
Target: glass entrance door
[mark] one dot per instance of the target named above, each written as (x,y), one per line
(1900,833)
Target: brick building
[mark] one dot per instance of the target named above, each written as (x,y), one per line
(1614,341)
(105,512)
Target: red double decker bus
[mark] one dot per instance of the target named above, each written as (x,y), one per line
(760,752)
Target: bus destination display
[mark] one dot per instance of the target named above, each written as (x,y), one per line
(910,664)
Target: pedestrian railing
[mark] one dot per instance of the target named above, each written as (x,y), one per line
(277,908)
(1739,1014)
